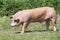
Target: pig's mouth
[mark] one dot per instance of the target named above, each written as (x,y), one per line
(14,25)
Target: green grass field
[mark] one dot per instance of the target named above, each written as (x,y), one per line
(35,31)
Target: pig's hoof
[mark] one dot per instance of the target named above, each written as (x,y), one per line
(22,32)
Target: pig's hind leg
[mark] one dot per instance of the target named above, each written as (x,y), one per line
(54,23)
(47,24)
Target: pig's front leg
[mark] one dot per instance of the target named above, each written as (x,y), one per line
(25,24)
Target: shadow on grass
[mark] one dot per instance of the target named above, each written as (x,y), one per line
(30,31)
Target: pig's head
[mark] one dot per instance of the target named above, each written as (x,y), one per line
(15,21)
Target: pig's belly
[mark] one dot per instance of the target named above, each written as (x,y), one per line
(38,20)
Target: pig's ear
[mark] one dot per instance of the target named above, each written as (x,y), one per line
(11,17)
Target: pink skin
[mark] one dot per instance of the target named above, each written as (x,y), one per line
(42,14)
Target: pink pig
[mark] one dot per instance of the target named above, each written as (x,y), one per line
(41,14)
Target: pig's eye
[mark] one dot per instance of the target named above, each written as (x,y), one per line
(16,20)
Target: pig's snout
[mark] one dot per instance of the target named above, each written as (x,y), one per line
(13,24)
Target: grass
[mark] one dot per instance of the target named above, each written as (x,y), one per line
(35,31)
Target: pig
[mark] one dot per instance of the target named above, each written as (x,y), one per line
(41,14)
